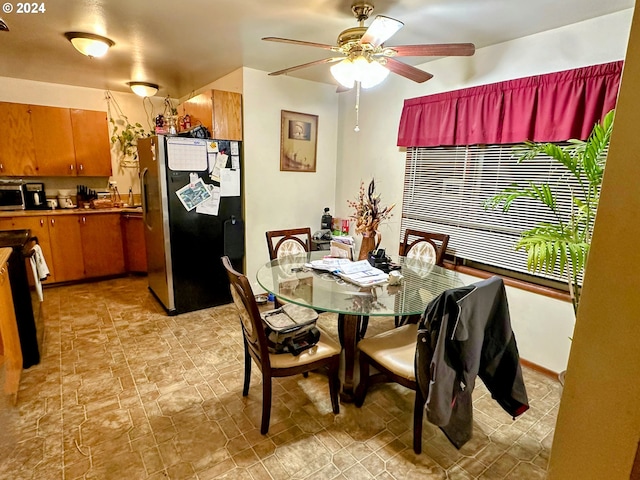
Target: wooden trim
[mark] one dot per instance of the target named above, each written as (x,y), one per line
(540,369)
(512,282)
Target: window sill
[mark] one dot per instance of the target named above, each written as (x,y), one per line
(512,282)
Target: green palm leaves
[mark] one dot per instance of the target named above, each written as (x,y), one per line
(564,244)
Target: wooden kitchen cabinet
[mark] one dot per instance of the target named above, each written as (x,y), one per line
(80,245)
(38,140)
(135,249)
(66,247)
(53,140)
(39,227)
(219,111)
(17,152)
(102,247)
(91,142)
(10,350)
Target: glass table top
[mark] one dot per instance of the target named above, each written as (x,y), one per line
(289,280)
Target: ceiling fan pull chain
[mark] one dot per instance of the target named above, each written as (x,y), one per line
(357,129)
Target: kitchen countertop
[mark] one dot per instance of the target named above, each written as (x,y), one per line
(67,211)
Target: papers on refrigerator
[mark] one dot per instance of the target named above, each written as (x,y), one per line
(229,182)
(210,206)
(193,194)
(186,154)
(219,164)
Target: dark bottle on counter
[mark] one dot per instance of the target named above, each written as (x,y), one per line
(325,223)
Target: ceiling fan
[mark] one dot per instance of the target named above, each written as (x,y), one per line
(365,60)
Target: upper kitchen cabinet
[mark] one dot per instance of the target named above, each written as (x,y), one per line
(53,140)
(91,142)
(17,153)
(219,111)
(50,141)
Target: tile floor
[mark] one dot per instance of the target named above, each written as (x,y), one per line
(125,391)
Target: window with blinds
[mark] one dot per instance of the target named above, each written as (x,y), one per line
(445,189)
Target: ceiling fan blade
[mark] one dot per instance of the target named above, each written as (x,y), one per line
(305,65)
(381,30)
(435,50)
(407,71)
(298,42)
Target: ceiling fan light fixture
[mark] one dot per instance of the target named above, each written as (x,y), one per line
(368,72)
(344,73)
(89,44)
(143,89)
(375,74)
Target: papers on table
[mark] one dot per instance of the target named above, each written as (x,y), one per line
(341,250)
(360,273)
(331,265)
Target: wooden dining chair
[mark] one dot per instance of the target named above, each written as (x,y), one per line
(392,353)
(427,246)
(325,354)
(282,243)
(422,249)
(288,242)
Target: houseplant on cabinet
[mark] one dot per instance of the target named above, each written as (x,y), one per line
(124,134)
(565,243)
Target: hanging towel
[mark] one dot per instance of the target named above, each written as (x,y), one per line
(39,268)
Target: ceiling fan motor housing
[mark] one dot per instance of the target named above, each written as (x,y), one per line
(362,11)
(351,35)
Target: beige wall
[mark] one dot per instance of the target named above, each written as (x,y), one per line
(598,424)
(275,199)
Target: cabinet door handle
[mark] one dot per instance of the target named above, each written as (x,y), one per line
(53,222)
(71,167)
(81,168)
(84,220)
(42,222)
(1,167)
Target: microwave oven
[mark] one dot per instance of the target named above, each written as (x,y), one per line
(12,196)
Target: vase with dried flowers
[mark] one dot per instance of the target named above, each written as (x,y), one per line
(368,214)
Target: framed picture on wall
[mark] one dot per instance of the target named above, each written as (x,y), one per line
(298,141)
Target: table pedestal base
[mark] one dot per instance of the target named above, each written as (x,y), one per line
(349,332)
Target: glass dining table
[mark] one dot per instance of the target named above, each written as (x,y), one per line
(292,280)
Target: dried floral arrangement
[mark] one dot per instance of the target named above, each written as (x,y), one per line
(368,211)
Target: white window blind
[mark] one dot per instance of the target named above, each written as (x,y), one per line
(445,189)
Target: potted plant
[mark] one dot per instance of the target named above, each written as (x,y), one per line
(565,243)
(124,134)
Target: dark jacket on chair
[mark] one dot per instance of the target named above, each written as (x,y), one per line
(466,332)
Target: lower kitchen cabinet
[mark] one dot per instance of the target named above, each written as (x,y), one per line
(80,246)
(102,247)
(66,247)
(39,228)
(135,251)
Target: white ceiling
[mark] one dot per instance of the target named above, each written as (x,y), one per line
(184,45)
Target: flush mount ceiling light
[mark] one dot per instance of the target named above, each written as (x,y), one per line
(89,44)
(143,89)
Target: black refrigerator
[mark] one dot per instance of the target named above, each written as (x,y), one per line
(192,206)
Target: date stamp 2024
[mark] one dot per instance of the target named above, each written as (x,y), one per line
(20,7)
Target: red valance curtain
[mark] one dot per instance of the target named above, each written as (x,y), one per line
(544,108)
